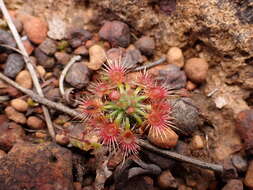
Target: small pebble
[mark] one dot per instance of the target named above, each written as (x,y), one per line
(166,180)
(48,46)
(36,29)
(116,32)
(248,180)
(62,57)
(41,71)
(146,45)
(196,70)
(97,57)
(132,57)
(57,28)
(197,142)
(40,134)
(43,59)
(35,123)
(170,75)
(14,64)
(190,85)
(53,94)
(186,115)
(24,79)
(175,56)
(78,36)
(19,104)
(78,75)
(239,162)
(81,50)
(62,139)
(168,139)
(14,115)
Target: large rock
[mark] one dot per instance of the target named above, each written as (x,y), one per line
(44,166)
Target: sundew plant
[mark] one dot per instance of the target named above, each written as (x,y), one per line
(118,108)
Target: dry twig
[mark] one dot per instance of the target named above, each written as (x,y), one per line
(73,113)
(40,99)
(64,72)
(182,158)
(149,65)
(28,65)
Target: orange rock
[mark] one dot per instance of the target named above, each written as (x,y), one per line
(167,139)
(35,28)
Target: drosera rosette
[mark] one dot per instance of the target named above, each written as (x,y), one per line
(117,108)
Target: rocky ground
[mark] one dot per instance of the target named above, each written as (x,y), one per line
(208,49)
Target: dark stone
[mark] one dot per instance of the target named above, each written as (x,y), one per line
(133,56)
(44,166)
(44,60)
(116,32)
(78,36)
(14,64)
(146,45)
(166,180)
(240,163)
(129,57)
(53,95)
(172,76)
(7,39)
(186,115)
(78,75)
(48,46)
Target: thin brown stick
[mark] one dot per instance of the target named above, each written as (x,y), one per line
(149,65)
(75,114)
(182,158)
(28,65)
